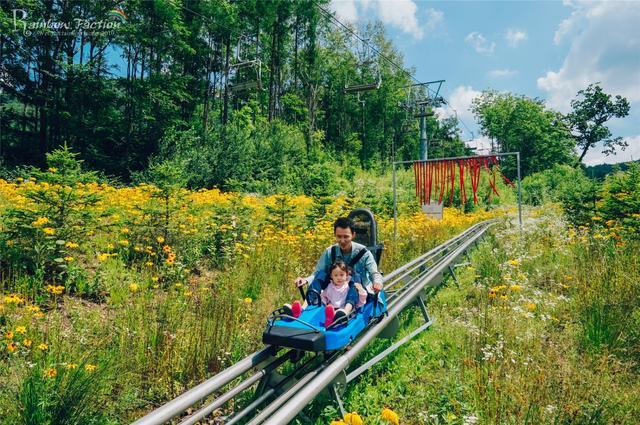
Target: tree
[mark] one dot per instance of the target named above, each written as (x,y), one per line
(592,108)
(519,123)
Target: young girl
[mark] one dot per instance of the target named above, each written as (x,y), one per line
(340,295)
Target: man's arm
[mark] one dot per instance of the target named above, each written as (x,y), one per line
(372,269)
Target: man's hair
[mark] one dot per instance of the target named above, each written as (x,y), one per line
(344,223)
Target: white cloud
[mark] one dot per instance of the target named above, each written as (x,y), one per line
(632,153)
(459,106)
(345,10)
(480,43)
(604,47)
(401,14)
(515,37)
(502,73)
(481,144)
(460,100)
(435,19)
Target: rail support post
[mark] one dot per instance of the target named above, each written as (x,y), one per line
(455,278)
(423,308)
(336,396)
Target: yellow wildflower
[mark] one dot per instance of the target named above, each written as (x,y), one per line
(134,287)
(38,315)
(160,239)
(51,373)
(353,419)
(68,258)
(125,230)
(516,288)
(154,278)
(90,367)
(49,231)
(21,330)
(12,347)
(123,242)
(531,306)
(514,262)
(166,248)
(390,416)
(33,308)
(40,221)
(43,346)
(149,264)
(55,289)
(71,245)
(503,297)
(596,218)
(13,299)
(52,170)
(9,335)
(27,342)
(338,422)
(248,300)
(71,366)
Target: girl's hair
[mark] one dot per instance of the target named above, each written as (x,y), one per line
(340,265)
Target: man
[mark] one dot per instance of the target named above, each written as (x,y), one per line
(354,254)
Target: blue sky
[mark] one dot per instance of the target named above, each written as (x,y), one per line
(544,49)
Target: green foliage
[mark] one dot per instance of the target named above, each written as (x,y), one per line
(591,109)
(608,302)
(59,395)
(280,214)
(621,199)
(553,185)
(55,214)
(518,123)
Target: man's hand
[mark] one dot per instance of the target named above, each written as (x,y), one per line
(377,287)
(301,281)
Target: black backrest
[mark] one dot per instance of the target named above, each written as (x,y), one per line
(367,231)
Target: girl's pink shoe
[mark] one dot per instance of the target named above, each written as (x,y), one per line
(329,314)
(296,309)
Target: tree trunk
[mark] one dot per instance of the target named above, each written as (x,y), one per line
(225,111)
(272,69)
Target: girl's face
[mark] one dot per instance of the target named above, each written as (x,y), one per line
(339,277)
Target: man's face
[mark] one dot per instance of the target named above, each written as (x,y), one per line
(344,236)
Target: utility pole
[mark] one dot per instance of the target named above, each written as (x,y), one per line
(424,147)
(421,103)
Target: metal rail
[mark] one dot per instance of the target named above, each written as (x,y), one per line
(293,391)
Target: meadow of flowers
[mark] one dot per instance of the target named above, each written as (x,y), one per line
(115,299)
